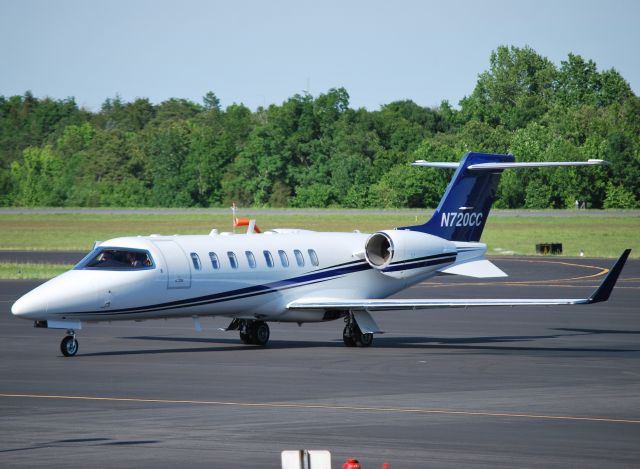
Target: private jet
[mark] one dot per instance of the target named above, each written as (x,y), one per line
(290,275)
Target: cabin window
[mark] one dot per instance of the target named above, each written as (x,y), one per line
(233,260)
(268,258)
(283,258)
(251,259)
(299,257)
(196,261)
(313,256)
(106,258)
(215,262)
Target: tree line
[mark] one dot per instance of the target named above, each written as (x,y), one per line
(319,152)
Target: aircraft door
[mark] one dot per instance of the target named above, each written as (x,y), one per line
(177,264)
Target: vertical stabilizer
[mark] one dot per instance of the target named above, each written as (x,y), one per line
(465,205)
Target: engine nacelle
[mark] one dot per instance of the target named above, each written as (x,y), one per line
(405,253)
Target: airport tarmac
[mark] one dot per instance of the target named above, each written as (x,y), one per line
(484,387)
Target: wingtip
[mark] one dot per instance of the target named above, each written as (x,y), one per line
(603,292)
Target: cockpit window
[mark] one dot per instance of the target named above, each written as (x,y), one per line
(117,259)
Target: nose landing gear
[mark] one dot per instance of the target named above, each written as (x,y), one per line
(69,345)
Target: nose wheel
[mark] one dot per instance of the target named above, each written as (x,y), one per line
(69,345)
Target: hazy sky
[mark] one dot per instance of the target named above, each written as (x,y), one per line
(263,52)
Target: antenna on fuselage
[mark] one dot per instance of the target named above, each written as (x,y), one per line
(233,217)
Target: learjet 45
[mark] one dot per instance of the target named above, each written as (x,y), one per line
(290,275)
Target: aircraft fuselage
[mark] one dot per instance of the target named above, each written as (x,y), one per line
(197,275)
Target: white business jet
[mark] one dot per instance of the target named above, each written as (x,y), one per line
(289,275)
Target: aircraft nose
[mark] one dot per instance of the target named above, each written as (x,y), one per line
(29,306)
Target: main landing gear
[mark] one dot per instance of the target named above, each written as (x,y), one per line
(69,345)
(352,336)
(253,332)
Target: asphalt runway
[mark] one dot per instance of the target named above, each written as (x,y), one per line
(484,387)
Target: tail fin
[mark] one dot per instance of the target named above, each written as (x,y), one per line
(464,208)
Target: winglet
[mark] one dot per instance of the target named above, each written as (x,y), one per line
(604,290)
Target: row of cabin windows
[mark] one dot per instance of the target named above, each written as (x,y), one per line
(251,259)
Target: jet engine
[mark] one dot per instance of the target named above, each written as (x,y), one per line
(405,253)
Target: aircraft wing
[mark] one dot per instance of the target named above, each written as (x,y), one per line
(600,294)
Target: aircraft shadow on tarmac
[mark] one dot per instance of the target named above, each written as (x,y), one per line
(595,331)
(75,442)
(487,343)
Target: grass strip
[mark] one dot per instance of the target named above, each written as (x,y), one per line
(23,271)
(594,236)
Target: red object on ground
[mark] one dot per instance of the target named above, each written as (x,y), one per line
(351,463)
(245,222)
(385,466)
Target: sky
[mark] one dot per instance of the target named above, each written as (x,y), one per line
(263,52)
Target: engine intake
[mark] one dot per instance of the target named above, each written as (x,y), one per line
(405,253)
(379,250)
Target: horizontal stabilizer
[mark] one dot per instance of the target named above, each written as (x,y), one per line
(435,164)
(478,269)
(508,165)
(534,164)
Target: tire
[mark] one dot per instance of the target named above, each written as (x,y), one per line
(260,333)
(69,346)
(347,337)
(364,340)
(245,338)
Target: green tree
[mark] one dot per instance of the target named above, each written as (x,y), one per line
(315,195)
(211,102)
(35,178)
(579,83)
(514,91)
(619,197)
(167,150)
(317,151)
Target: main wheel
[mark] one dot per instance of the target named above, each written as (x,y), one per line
(364,340)
(347,337)
(245,338)
(69,346)
(260,333)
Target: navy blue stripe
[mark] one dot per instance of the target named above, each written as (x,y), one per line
(416,259)
(317,276)
(221,300)
(310,278)
(418,265)
(339,265)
